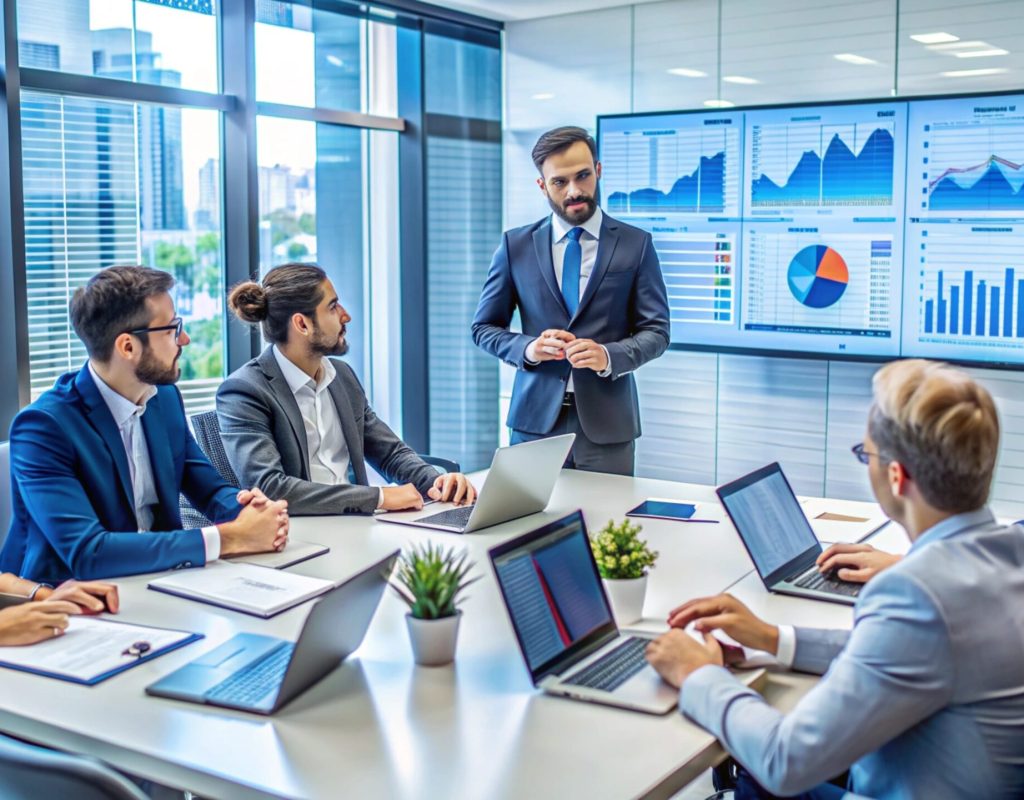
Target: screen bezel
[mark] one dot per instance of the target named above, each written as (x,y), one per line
(786,570)
(585,646)
(812,355)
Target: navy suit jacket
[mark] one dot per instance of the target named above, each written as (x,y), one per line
(624,307)
(73,513)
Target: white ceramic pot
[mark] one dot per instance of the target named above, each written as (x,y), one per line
(627,598)
(433,640)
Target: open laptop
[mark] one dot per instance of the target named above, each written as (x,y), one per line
(564,625)
(520,482)
(781,543)
(261,674)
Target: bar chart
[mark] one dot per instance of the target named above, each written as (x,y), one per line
(699,271)
(984,308)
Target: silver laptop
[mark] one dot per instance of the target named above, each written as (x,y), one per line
(564,625)
(520,482)
(251,672)
(780,540)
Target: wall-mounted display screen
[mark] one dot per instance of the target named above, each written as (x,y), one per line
(870,229)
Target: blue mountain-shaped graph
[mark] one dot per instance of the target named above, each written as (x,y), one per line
(993,191)
(839,179)
(702,190)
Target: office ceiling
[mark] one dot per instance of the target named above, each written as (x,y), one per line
(515,10)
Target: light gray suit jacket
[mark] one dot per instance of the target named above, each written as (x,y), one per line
(924,697)
(265,441)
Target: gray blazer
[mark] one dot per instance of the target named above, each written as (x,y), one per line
(922,700)
(265,441)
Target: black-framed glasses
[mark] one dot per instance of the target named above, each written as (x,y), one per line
(137,649)
(177,325)
(862,455)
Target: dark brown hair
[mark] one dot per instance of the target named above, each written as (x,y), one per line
(285,290)
(558,140)
(114,302)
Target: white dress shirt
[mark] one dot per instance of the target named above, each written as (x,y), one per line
(329,457)
(128,418)
(589,241)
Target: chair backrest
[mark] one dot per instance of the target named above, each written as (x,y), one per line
(5,490)
(207,433)
(441,464)
(28,772)
(206,429)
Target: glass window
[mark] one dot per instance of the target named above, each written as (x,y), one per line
(463,85)
(166,42)
(314,188)
(119,183)
(314,58)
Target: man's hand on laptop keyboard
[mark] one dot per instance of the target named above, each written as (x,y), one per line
(676,654)
(401,498)
(454,487)
(858,563)
(725,613)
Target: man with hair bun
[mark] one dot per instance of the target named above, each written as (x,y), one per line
(295,420)
(924,698)
(98,461)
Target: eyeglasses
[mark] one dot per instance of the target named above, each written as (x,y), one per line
(862,455)
(138,649)
(177,324)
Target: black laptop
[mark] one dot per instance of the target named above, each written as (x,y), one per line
(779,538)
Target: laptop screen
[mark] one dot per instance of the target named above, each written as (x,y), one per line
(553,594)
(770,521)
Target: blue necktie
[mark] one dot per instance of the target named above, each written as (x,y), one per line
(571,262)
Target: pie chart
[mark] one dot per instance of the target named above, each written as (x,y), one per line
(818,276)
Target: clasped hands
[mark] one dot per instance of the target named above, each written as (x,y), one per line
(556,345)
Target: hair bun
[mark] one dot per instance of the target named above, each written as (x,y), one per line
(249,302)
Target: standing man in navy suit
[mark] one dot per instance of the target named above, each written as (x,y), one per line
(593,307)
(97,462)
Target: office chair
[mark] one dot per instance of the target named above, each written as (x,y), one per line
(206,430)
(28,772)
(441,464)
(5,490)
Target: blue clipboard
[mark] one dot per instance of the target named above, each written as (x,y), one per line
(189,639)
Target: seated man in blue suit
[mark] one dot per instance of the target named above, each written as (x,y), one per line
(98,461)
(924,698)
(593,308)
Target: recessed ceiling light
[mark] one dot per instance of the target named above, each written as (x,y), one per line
(543,96)
(686,72)
(334,60)
(740,79)
(993,51)
(971,73)
(934,38)
(853,58)
(718,104)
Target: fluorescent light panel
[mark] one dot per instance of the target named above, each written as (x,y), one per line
(853,58)
(686,72)
(718,104)
(935,38)
(974,73)
(994,51)
(740,79)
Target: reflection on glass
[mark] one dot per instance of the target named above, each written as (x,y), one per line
(119,183)
(146,40)
(310,57)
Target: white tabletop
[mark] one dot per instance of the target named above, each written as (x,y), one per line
(380,726)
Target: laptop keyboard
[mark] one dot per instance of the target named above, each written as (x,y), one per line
(826,583)
(615,668)
(253,682)
(456,517)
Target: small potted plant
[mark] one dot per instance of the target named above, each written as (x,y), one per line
(623,559)
(430,579)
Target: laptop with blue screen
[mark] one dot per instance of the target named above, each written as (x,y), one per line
(563,622)
(251,672)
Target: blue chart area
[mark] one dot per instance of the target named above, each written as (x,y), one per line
(994,185)
(830,169)
(689,168)
(703,190)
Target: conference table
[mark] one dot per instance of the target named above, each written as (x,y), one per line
(380,726)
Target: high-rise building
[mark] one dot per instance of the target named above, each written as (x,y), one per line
(207,214)
(161,182)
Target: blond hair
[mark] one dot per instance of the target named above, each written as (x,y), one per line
(941,425)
